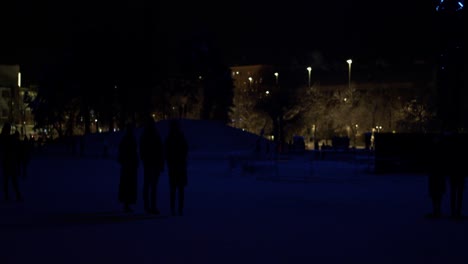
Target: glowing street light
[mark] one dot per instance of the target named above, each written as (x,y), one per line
(309,69)
(355,134)
(276,76)
(349,72)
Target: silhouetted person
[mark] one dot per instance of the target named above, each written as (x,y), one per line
(128,159)
(10,155)
(25,156)
(32,143)
(456,174)
(4,138)
(436,176)
(152,157)
(176,152)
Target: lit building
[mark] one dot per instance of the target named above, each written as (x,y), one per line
(251,83)
(15,99)
(253,78)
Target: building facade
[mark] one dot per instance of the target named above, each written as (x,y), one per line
(15,100)
(251,83)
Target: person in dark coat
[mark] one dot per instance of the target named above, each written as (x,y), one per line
(10,160)
(457,173)
(436,176)
(4,139)
(176,152)
(152,157)
(129,161)
(25,156)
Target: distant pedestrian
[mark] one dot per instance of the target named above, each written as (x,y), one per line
(10,160)
(457,173)
(436,176)
(25,156)
(128,160)
(4,139)
(176,153)
(152,157)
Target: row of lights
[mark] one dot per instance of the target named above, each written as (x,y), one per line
(309,70)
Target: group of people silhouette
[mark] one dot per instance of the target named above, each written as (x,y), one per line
(14,159)
(153,153)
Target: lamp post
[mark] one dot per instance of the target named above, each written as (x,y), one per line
(349,72)
(276,76)
(309,69)
(355,134)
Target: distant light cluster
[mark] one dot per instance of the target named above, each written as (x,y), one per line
(443,5)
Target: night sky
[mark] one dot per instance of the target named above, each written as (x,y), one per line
(242,31)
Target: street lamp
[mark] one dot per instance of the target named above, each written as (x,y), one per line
(309,69)
(349,72)
(250,82)
(276,76)
(355,134)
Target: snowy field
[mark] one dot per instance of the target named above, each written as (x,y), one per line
(292,212)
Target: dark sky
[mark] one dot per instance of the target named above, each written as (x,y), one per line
(339,28)
(259,30)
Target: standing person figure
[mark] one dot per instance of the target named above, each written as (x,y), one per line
(152,157)
(128,160)
(176,152)
(10,160)
(436,176)
(457,174)
(25,156)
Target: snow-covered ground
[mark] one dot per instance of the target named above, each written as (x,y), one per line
(320,212)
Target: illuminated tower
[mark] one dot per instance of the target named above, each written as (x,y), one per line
(450,63)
